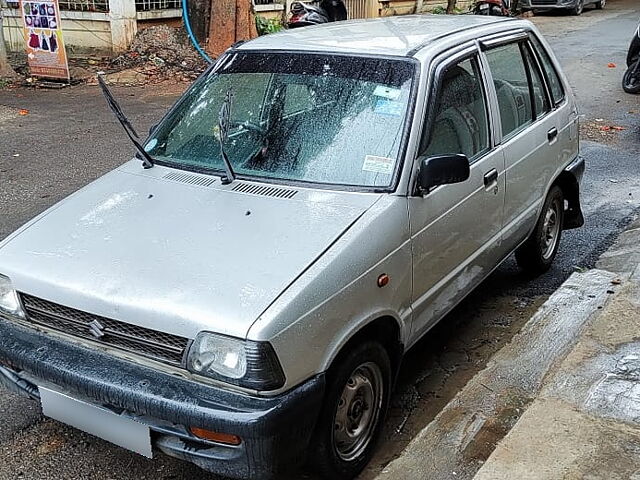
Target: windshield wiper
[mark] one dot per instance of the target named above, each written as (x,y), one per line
(224,118)
(147,160)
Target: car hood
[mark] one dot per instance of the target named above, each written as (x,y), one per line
(163,250)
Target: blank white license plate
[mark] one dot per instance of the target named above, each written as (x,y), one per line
(97,421)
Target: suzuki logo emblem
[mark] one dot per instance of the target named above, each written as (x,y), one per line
(96,329)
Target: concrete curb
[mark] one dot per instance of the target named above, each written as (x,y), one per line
(585,421)
(463,435)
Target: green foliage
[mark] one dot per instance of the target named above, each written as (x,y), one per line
(439,10)
(4,83)
(268,25)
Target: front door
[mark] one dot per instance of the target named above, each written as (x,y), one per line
(455,229)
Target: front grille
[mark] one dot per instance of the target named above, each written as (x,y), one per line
(149,343)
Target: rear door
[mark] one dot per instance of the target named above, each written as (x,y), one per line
(562,103)
(529,133)
(455,229)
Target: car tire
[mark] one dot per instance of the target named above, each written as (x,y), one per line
(600,5)
(578,9)
(537,253)
(631,78)
(351,420)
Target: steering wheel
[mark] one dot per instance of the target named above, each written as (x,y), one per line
(251,126)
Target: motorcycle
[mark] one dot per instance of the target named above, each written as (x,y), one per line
(316,12)
(496,8)
(631,78)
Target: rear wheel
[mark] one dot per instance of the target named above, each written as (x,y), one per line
(351,419)
(578,9)
(631,78)
(600,5)
(537,253)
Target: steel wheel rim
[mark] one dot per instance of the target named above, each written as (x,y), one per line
(358,411)
(550,230)
(580,6)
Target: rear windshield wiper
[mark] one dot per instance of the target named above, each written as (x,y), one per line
(147,160)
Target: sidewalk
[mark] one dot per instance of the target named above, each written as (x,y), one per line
(561,401)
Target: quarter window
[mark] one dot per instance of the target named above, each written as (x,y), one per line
(512,88)
(538,94)
(460,122)
(555,85)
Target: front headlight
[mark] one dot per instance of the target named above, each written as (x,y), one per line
(239,362)
(9,303)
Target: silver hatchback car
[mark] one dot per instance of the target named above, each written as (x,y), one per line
(575,7)
(316,202)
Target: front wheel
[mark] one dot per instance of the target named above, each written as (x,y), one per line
(578,9)
(537,253)
(351,419)
(631,78)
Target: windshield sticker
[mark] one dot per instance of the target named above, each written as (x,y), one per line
(385,106)
(387,92)
(152,143)
(378,164)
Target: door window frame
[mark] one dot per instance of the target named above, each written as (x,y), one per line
(445,60)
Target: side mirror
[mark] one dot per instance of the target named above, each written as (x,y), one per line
(442,170)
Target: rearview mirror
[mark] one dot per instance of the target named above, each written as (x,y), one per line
(442,170)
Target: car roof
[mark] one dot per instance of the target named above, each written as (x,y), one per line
(396,36)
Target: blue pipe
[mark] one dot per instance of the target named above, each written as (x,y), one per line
(192,37)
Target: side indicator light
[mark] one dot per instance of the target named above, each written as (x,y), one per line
(225,438)
(383,280)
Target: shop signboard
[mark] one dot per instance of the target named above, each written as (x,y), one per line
(43,32)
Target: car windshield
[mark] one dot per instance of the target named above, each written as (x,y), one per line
(327,119)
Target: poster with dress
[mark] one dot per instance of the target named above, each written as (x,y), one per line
(45,47)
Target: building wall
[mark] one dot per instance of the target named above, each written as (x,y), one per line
(102,33)
(84,32)
(112,31)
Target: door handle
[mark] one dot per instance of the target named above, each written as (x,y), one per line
(552,134)
(491,179)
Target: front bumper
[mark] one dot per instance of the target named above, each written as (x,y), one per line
(547,4)
(275,431)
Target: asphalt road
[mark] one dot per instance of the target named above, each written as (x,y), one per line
(69,138)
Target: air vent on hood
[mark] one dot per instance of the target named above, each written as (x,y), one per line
(190,179)
(264,190)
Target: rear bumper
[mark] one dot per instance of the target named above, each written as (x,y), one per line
(275,431)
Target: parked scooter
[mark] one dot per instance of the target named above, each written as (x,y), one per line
(497,8)
(316,12)
(631,78)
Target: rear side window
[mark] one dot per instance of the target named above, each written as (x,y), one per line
(555,85)
(538,93)
(512,87)
(460,123)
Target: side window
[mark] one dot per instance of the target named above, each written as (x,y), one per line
(555,85)
(460,123)
(538,93)
(512,88)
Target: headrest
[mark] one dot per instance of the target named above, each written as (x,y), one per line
(458,88)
